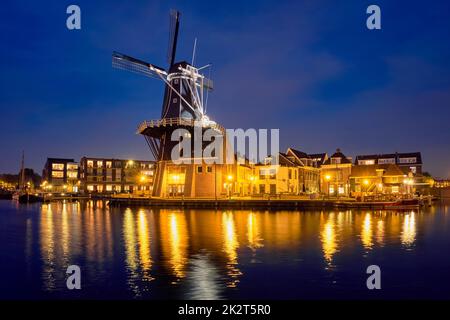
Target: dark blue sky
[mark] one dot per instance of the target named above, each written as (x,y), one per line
(310,68)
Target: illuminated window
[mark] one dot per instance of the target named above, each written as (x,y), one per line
(90,187)
(108,164)
(99,164)
(331,189)
(72,174)
(386,161)
(58,166)
(108,187)
(341,190)
(366,162)
(413,169)
(90,164)
(57,174)
(335,160)
(72,166)
(408,160)
(395,189)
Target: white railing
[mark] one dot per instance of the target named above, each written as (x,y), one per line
(177,122)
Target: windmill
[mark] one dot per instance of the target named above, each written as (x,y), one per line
(184,103)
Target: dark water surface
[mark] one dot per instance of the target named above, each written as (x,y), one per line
(205,254)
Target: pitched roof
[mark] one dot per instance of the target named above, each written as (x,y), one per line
(283,160)
(371,170)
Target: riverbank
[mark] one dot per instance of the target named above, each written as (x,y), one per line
(263,203)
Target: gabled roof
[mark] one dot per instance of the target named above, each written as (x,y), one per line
(283,160)
(371,170)
(338,154)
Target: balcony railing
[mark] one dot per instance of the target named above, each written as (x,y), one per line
(178,122)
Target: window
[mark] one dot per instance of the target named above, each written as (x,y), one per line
(209,169)
(72,166)
(335,160)
(108,187)
(72,174)
(108,164)
(57,174)
(408,160)
(413,169)
(90,187)
(386,161)
(90,164)
(341,190)
(366,162)
(99,164)
(58,166)
(199,169)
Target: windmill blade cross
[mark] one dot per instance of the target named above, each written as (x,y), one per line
(124,62)
(173,36)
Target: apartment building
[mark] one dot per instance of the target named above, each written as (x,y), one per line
(60,175)
(108,175)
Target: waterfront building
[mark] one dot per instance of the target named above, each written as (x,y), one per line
(308,170)
(60,175)
(108,175)
(281,178)
(378,179)
(334,174)
(408,162)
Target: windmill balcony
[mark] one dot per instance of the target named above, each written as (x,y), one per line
(176,122)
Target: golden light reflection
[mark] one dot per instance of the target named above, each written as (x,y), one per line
(174,241)
(144,245)
(380,232)
(253,233)
(47,247)
(130,241)
(329,239)
(409,229)
(231,245)
(366,232)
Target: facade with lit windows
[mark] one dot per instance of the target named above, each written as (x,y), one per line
(113,176)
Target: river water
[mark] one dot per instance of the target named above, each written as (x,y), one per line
(146,253)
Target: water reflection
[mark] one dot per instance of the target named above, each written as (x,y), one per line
(329,238)
(174,241)
(231,245)
(366,234)
(200,252)
(409,229)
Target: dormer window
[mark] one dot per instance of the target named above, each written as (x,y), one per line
(335,160)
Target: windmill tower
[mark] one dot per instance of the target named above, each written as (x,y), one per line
(184,106)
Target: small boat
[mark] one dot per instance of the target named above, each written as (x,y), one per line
(404,204)
(22,197)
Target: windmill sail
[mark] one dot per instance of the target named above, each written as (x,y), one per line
(173,36)
(124,62)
